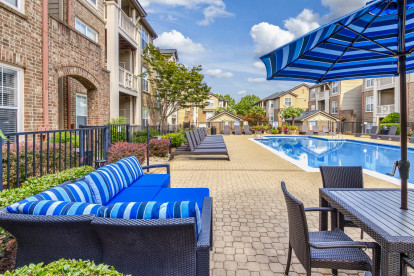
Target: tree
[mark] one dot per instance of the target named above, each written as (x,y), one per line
(230,101)
(177,86)
(256,116)
(228,109)
(291,112)
(246,103)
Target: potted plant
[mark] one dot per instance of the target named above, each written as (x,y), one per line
(293,129)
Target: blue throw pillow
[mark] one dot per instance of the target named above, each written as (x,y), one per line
(81,191)
(55,208)
(131,168)
(155,210)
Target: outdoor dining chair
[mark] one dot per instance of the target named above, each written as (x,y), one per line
(343,177)
(325,249)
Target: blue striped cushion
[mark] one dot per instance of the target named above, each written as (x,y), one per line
(131,168)
(54,208)
(81,191)
(105,183)
(155,210)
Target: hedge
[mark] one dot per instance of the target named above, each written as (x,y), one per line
(122,150)
(159,148)
(37,185)
(177,139)
(390,125)
(141,136)
(391,118)
(65,267)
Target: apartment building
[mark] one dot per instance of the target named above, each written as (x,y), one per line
(52,64)
(297,97)
(196,115)
(127,34)
(341,99)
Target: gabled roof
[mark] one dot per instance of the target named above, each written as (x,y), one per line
(235,117)
(170,52)
(148,27)
(309,114)
(218,97)
(282,93)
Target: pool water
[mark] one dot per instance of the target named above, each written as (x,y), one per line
(315,152)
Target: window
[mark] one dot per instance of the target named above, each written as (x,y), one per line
(81,110)
(369,83)
(210,103)
(145,116)
(144,39)
(271,104)
(220,103)
(9,87)
(94,2)
(334,107)
(369,104)
(144,79)
(17,4)
(288,101)
(313,107)
(312,93)
(86,30)
(209,115)
(335,87)
(272,117)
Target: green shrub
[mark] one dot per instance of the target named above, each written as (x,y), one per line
(142,137)
(391,118)
(68,138)
(390,125)
(177,139)
(37,185)
(293,128)
(65,267)
(275,131)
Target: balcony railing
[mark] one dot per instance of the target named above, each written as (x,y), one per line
(128,26)
(321,94)
(127,79)
(386,81)
(385,109)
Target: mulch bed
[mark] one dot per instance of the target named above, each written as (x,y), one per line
(8,256)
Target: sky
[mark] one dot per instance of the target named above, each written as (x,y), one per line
(227,37)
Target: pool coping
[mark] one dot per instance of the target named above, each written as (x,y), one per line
(307,168)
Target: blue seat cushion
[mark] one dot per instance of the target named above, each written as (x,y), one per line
(152,180)
(135,194)
(155,210)
(183,194)
(55,208)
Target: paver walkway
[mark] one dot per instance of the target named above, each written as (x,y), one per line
(250,218)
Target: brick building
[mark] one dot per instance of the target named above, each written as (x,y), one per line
(67,38)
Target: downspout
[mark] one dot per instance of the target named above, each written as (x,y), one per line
(68,117)
(45,64)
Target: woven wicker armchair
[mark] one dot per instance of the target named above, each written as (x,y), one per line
(325,249)
(343,177)
(405,261)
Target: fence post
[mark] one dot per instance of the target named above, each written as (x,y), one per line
(81,145)
(148,139)
(1,163)
(128,133)
(106,140)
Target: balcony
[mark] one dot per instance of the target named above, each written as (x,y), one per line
(128,27)
(386,81)
(322,94)
(128,80)
(384,110)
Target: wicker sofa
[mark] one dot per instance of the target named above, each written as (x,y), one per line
(173,246)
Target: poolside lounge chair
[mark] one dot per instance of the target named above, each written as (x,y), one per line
(237,130)
(358,134)
(325,249)
(397,138)
(343,177)
(208,138)
(247,131)
(315,130)
(309,132)
(390,134)
(374,132)
(197,143)
(304,130)
(226,130)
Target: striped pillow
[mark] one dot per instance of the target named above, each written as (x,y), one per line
(55,208)
(76,192)
(132,168)
(105,183)
(155,210)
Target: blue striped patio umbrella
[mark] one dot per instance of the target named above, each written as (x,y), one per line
(374,41)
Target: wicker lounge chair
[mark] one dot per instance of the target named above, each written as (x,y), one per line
(390,134)
(304,130)
(226,130)
(374,132)
(325,249)
(237,130)
(343,177)
(247,131)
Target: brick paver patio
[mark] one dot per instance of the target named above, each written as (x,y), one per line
(250,218)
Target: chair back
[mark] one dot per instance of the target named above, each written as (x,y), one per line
(246,128)
(393,130)
(196,138)
(237,130)
(374,130)
(190,140)
(298,228)
(226,130)
(304,128)
(325,129)
(315,129)
(342,177)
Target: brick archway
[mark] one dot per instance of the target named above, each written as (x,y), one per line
(83,76)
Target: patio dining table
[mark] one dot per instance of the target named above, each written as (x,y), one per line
(377,212)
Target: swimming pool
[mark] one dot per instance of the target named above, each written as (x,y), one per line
(309,153)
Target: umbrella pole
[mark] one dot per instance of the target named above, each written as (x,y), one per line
(403,164)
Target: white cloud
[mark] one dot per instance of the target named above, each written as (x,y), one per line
(259,65)
(241,92)
(339,7)
(211,8)
(268,37)
(218,73)
(176,40)
(256,79)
